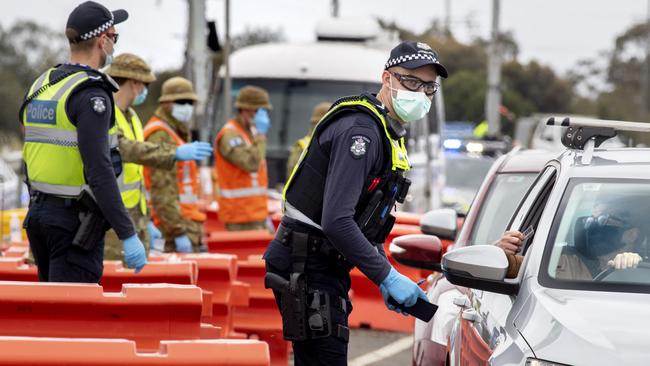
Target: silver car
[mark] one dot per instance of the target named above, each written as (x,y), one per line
(573,300)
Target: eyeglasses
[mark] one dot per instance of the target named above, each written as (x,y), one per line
(113,36)
(413,83)
(605,220)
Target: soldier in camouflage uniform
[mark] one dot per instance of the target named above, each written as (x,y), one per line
(133,75)
(240,163)
(300,145)
(180,222)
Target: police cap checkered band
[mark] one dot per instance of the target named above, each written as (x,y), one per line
(91,19)
(411,55)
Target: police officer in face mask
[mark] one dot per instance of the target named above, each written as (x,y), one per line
(337,206)
(71,156)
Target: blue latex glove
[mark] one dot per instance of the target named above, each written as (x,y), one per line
(134,254)
(183,244)
(262,121)
(193,151)
(154,233)
(401,288)
(384,294)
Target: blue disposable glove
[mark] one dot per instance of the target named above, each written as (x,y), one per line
(384,294)
(401,288)
(183,244)
(262,121)
(134,254)
(154,233)
(193,151)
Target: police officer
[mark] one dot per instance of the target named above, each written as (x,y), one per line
(337,206)
(296,150)
(71,156)
(175,193)
(240,162)
(133,75)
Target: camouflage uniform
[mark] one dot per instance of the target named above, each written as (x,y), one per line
(296,150)
(164,190)
(129,66)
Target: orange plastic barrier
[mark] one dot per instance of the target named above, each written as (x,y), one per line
(15,251)
(217,273)
(15,269)
(119,352)
(240,243)
(261,319)
(145,314)
(180,273)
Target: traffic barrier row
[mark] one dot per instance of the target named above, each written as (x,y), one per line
(145,314)
(119,352)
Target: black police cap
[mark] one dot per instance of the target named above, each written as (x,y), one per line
(91,19)
(411,55)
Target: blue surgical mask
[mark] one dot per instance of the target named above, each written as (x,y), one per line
(140,98)
(182,112)
(410,106)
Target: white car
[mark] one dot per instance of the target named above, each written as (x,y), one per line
(10,186)
(573,300)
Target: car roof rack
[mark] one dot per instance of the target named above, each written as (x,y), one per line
(589,133)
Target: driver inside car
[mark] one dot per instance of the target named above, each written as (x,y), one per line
(608,238)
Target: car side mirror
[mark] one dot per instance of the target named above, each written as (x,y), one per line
(417,250)
(481,267)
(441,223)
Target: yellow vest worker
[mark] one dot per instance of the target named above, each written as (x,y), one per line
(300,145)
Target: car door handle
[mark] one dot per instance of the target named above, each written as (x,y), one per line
(461,301)
(470,315)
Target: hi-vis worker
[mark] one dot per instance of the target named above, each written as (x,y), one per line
(71,156)
(175,193)
(133,75)
(240,162)
(337,206)
(300,145)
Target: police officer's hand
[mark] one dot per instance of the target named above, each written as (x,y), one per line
(625,260)
(194,151)
(183,244)
(402,289)
(385,295)
(154,233)
(511,241)
(134,254)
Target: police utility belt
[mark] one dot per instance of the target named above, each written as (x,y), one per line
(306,313)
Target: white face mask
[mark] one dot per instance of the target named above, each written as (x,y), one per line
(410,106)
(182,112)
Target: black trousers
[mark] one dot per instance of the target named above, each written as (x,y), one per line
(332,350)
(51,229)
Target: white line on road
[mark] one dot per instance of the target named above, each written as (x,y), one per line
(384,352)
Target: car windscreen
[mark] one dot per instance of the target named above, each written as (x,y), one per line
(500,203)
(466,172)
(599,239)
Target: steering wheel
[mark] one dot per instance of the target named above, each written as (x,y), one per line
(609,270)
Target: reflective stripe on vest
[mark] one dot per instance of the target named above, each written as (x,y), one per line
(51,152)
(399,155)
(131,181)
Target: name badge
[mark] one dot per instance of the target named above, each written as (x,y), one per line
(42,111)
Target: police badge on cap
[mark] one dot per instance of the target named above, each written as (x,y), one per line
(90,19)
(411,55)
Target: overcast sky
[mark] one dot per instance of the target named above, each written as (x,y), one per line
(555,32)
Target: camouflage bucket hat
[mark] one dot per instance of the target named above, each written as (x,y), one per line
(130,66)
(253,97)
(177,88)
(319,111)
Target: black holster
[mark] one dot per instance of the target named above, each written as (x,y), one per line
(92,227)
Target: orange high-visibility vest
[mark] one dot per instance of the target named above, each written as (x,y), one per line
(242,195)
(187,176)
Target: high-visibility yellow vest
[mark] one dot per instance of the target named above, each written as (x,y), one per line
(131,181)
(51,150)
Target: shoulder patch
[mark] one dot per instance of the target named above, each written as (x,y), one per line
(359,146)
(235,141)
(98,104)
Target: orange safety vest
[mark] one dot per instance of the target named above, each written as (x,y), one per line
(187,176)
(242,195)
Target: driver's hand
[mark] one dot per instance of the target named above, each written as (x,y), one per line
(511,241)
(625,260)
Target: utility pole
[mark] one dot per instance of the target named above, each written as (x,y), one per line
(227,83)
(197,62)
(448,17)
(335,8)
(645,72)
(493,97)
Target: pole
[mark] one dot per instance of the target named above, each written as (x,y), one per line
(227,83)
(493,97)
(448,17)
(197,62)
(335,8)
(645,72)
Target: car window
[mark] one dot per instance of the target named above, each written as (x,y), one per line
(500,203)
(599,221)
